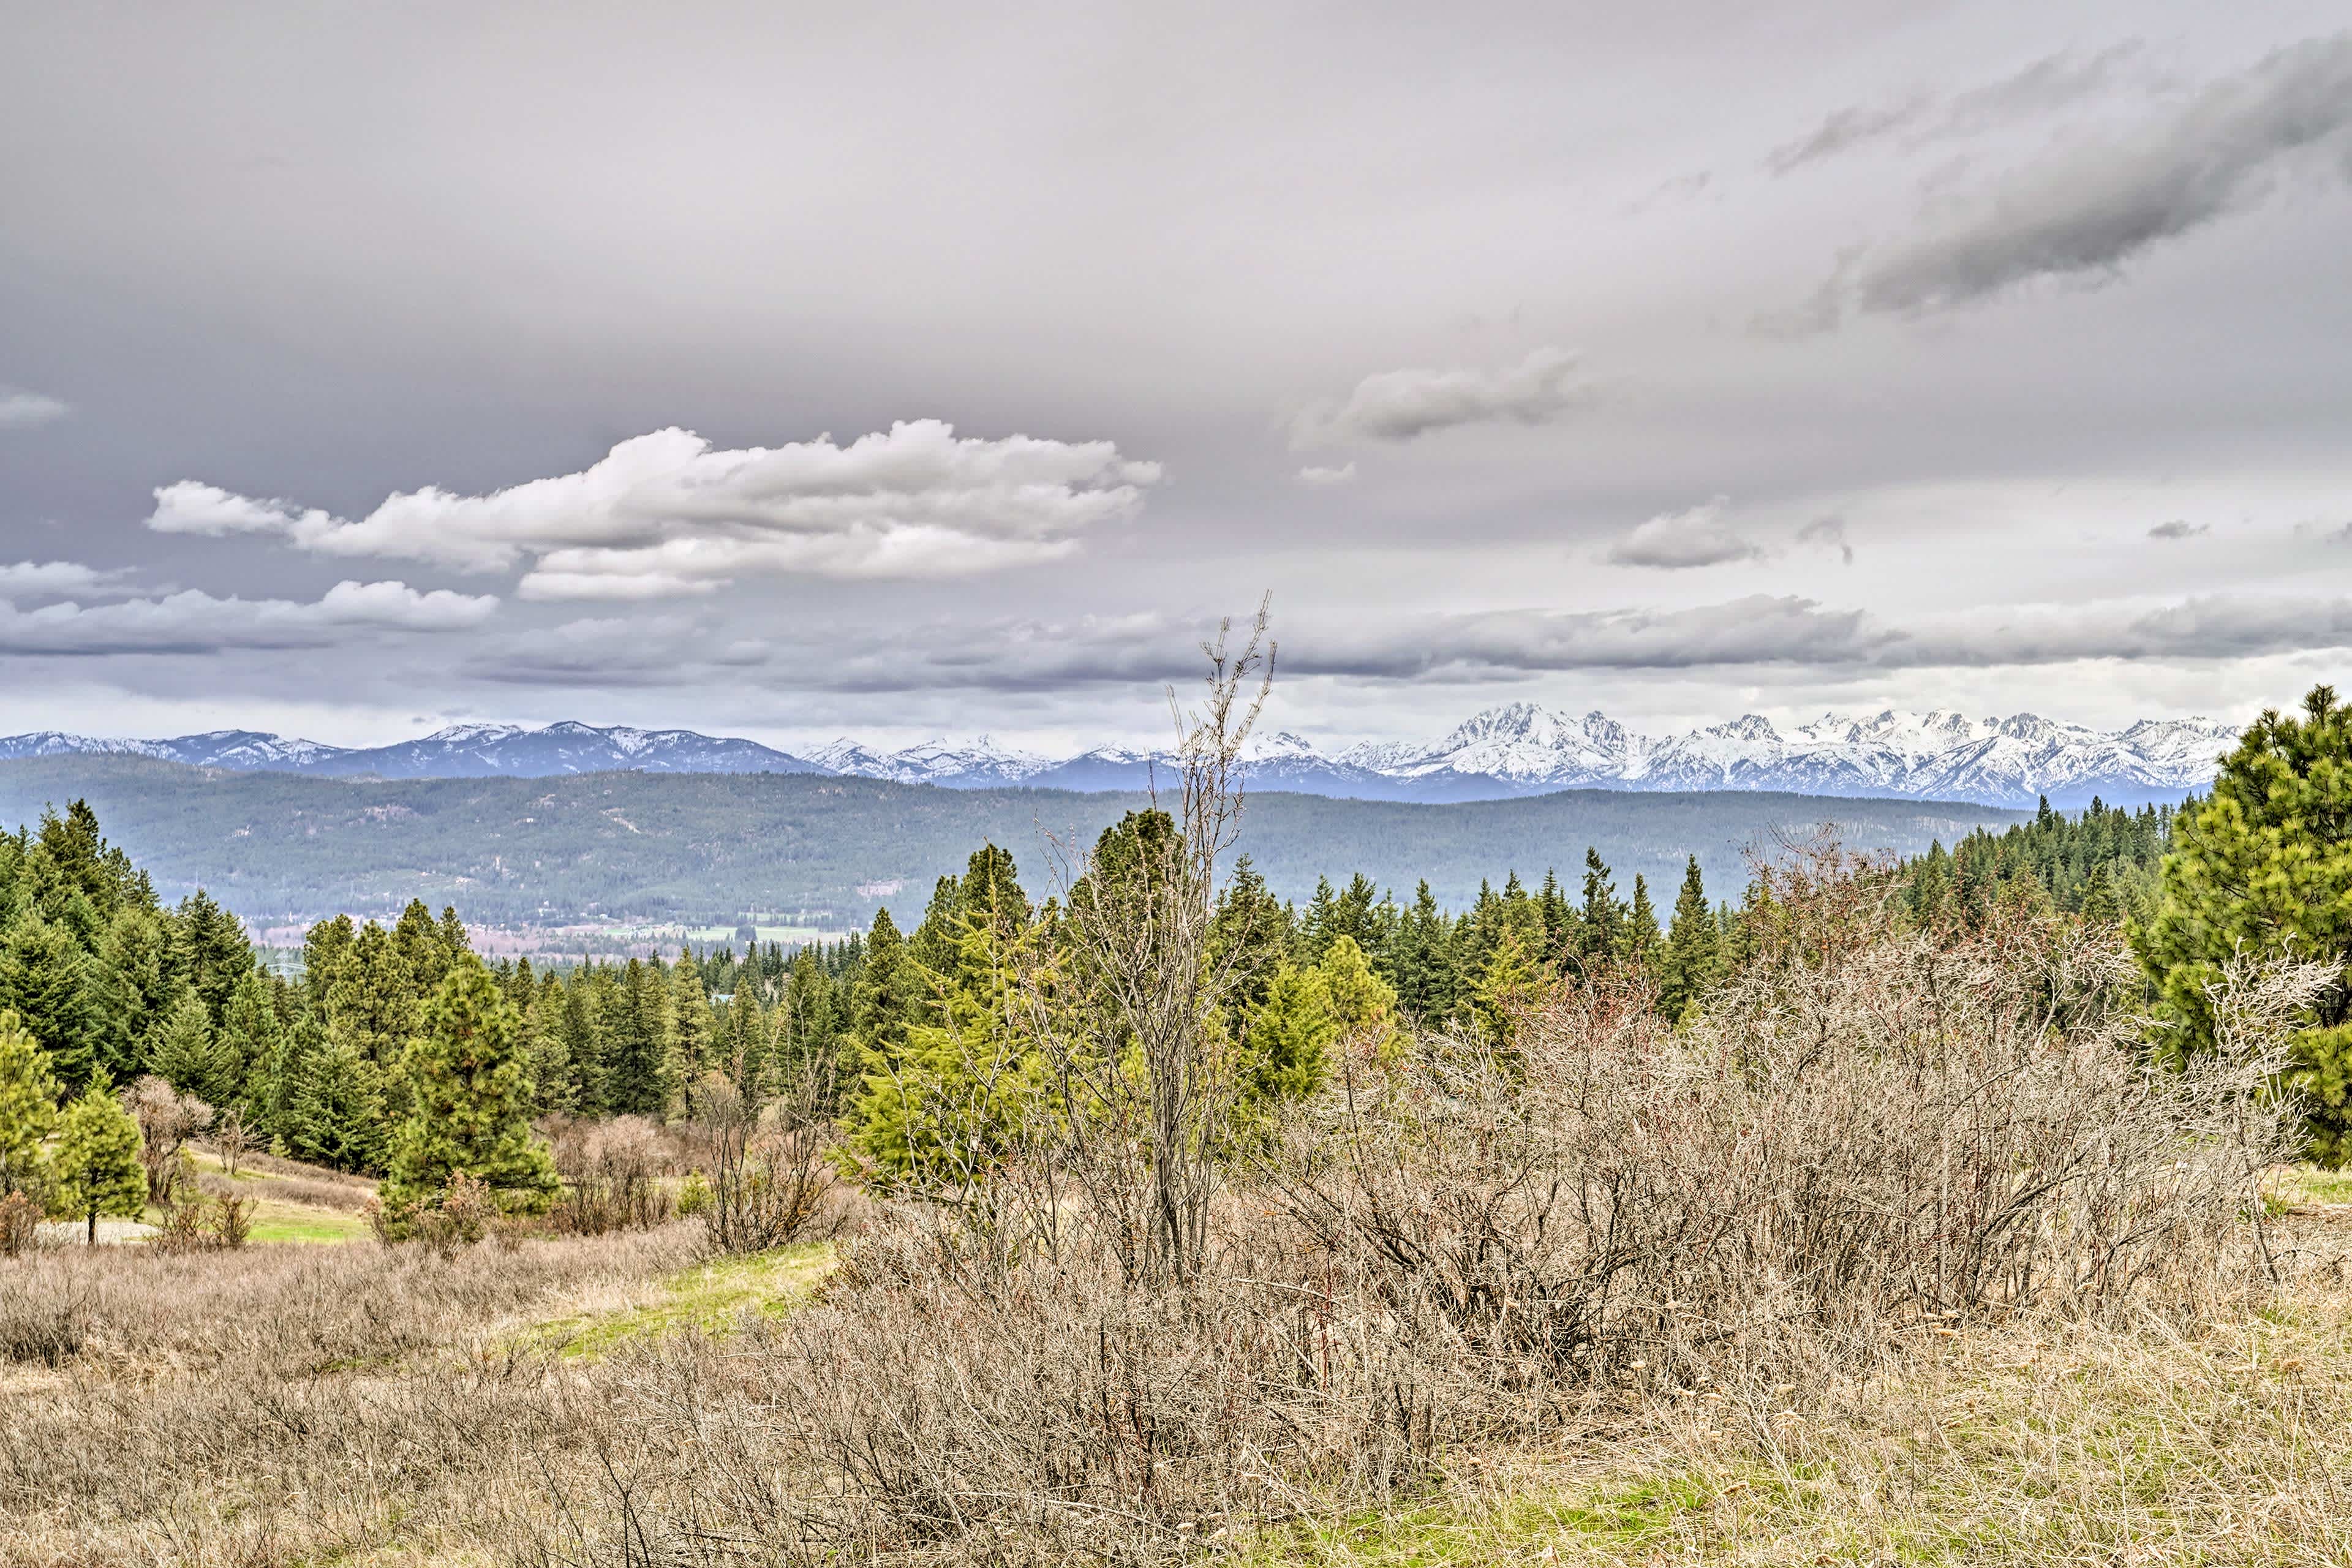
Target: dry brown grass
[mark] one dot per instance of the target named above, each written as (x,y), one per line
(293,1405)
(2223,1440)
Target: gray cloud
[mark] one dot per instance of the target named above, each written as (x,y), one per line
(2086,210)
(21,410)
(1828,533)
(1676,540)
(1401,405)
(1756,632)
(1327,478)
(193,622)
(665,514)
(1853,126)
(2179,528)
(2052,82)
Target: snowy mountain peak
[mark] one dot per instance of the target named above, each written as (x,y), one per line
(1516,748)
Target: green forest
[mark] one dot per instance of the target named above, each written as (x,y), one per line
(114,983)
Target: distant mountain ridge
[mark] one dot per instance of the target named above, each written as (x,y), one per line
(1517,749)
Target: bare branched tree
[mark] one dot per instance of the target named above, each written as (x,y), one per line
(1145,1081)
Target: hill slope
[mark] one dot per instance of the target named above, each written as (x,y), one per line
(710,848)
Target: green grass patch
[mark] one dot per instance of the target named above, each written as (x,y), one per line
(302,1222)
(709,1297)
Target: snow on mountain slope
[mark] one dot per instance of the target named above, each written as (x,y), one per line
(1518,748)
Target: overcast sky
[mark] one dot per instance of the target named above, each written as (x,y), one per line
(796,369)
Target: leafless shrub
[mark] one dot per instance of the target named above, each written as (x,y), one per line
(611,1175)
(771,1182)
(1863,1136)
(20,1223)
(167,1120)
(229,1138)
(229,1220)
(181,1227)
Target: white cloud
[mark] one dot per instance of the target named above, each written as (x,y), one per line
(193,622)
(1400,404)
(1327,478)
(21,410)
(666,513)
(1675,540)
(52,577)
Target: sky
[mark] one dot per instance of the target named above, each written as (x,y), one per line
(794,371)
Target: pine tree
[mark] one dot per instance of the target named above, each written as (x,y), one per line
(947,1102)
(1249,936)
(335,1112)
(885,999)
(553,1086)
(248,1047)
(210,951)
(1287,1050)
(2264,865)
(133,966)
(28,1108)
(1693,958)
(1602,919)
(693,1030)
(187,1052)
(1642,926)
(1423,962)
(634,1020)
(1363,1006)
(743,1035)
(45,981)
(470,1100)
(95,1166)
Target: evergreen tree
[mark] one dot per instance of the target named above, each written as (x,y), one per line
(1693,958)
(1423,962)
(547,1049)
(947,1102)
(1287,1050)
(336,1114)
(635,1034)
(45,981)
(28,1108)
(247,1046)
(210,953)
(2264,865)
(187,1052)
(1641,938)
(470,1100)
(132,970)
(693,1031)
(95,1168)
(1363,1006)
(1602,920)
(1249,934)
(885,998)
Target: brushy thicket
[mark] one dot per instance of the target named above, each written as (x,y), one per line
(1872,1133)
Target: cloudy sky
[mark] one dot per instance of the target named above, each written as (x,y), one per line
(794,370)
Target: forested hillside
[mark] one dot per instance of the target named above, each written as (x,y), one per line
(708,850)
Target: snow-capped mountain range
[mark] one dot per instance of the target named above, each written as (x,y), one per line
(1518,749)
